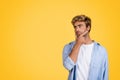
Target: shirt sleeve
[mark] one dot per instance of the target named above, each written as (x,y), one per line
(105,75)
(67,61)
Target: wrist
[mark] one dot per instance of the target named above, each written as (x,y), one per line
(77,45)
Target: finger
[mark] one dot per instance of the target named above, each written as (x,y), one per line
(84,34)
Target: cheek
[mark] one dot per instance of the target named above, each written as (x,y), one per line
(83,29)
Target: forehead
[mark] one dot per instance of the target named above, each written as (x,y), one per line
(79,23)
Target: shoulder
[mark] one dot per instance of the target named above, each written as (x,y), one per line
(67,48)
(70,44)
(101,49)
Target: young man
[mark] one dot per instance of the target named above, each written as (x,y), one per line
(84,58)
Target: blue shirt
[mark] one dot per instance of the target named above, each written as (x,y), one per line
(98,66)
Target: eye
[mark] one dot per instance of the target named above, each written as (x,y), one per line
(74,26)
(79,25)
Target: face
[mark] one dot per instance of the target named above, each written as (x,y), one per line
(80,27)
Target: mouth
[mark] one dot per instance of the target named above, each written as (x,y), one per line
(78,34)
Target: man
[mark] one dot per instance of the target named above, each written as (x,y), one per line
(84,58)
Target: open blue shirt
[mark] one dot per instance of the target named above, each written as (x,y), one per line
(98,66)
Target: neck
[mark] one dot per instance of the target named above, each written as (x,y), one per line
(88,40)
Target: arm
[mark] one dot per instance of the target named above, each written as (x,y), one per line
(79,41)
(74,53)
(70,55)
(105,75)
(67,61)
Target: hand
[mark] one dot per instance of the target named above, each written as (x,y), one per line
(83,34)
(81,39)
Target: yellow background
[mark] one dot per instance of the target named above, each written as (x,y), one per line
(33,33)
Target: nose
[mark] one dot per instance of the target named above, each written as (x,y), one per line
(76,28)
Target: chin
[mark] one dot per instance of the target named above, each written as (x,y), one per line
(78,35)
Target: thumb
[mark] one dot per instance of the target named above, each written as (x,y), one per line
(84,33)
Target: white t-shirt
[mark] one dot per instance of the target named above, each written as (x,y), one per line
(83,61)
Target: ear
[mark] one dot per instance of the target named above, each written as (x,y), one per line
(88,28)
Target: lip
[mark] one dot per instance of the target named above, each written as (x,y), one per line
(78,33)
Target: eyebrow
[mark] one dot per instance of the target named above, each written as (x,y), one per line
(78,25)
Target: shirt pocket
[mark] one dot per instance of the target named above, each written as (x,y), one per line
(96,66)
